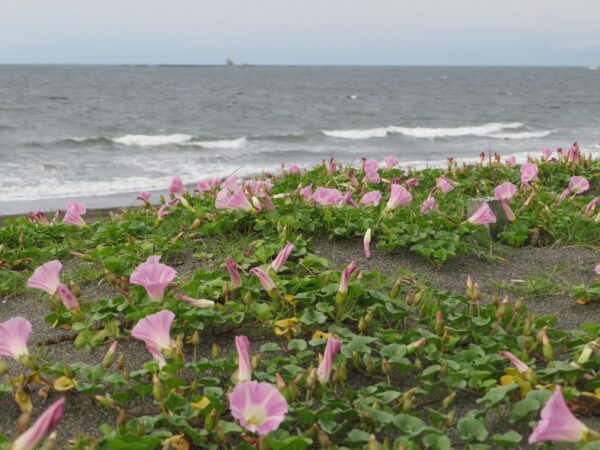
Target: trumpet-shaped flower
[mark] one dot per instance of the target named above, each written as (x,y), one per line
(46,277)
(346,274)
(67,297)
(445,185)
(483,216)
(154,330)
(282,257)
(306,192)
(43,426)
(511,161)
(390,162)
(429,204)
(331,350)
(74,213)
(144,196)
(519,365)
(255,187)
(558,423)
(546,154)
(244,372)
(411,182)
(38,217)
(230,183)
(154,276)
(208,185)
(528,174)
(238,200)
(294,169)
(176,186)
(578,185)
(198,303)
(327,196)
(367,243)
(234,273)
(14,334)
(259,407)
(371,198)
(597,269)
(505,192)
(266,281)
(399,196)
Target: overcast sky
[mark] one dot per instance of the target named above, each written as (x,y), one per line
(388,32)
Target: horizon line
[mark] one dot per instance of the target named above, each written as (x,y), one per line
(285,65)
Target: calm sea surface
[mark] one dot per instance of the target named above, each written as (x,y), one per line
(105,132)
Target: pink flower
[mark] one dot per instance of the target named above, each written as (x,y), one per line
(511,161)
(163,212)
(266,281)
(38,217)
(46,277)
(371,168)
(483,216)
(230,183)
(390,162)
(589,208)
(234,273)
(445,185)
(574,154)
(346,274)
(411,182)
(578,185)
(367,243)
(546,154)
(353,179)
(429,204)
(294,169)
(306,192)
(43,426)
(399,196)
(255,187)
(14,334)
(176,186)
(331,350)
(244,372)
(347,200)
(259,407)
(332,167)
(558,422)
(597,269)
(222,198)
(144,196)
(74,213)
(326,196)
(371,198)
(154,276)
(520,365)
(505,192)
(238,200)
(154,330)
(528,174)
(197,303)
(67,297)
(208,185)
(282,257)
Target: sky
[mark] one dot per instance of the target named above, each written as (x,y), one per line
(344,32)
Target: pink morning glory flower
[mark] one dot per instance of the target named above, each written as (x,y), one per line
(294,169)
(244,372)
(154,330)
(14,334)
(327,196)
(546,154)
(266,281)
(238,200)
(67,297)
(154,276)
(259,407)
(511,161)
(282,257)
(144,196)
(234,273)
(176,186)
(578,185)
(528,174)
(346,274)
(306,192)
(196,302)
(208,185)
(519,365)
(505,192)
(445,185)
(429,204)
(390,162)
(371,198)
(597,269)
(43,426)
(331,350)
(399,197)
(558,424)
(74,213)
(46,277)
(483,216)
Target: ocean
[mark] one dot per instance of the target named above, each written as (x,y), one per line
(103,133)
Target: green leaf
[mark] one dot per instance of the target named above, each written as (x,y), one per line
(291,443)
(471,428)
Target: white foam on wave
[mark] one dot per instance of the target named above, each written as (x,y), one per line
(144,140)
(522,135)
(425,133)
(223,143)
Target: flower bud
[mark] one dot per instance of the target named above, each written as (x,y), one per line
(110,354)
(158,389)
(356,361)
(362,325)
(216,351)
(324,441)
(450,418)
(447,402)
(439,324)
(248,298)
(370,365)
(75,289)
(395,289)
(210,421)
(373,443)
(340,374)
(386,367)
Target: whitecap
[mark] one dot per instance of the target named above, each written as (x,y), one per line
(223,143)
(144,140)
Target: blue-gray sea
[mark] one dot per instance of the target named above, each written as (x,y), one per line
(103,133)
